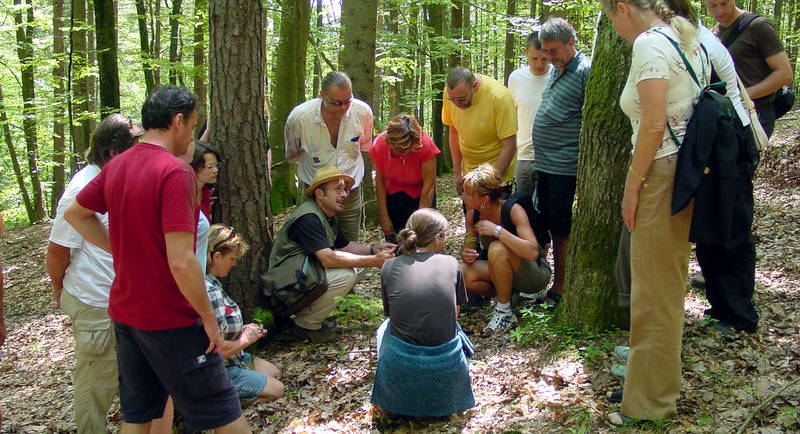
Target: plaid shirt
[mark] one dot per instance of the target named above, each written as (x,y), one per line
(229,317)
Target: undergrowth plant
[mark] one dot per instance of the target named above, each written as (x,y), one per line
(354,308)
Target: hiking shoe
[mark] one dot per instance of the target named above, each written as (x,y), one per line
(527,297)
(615,395)
(722,327)
(618,370)
(474,301)
(500,320)
(621,351)
(321,336)
(698,281)
(616,418)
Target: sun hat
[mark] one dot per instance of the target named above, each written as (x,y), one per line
(325,175)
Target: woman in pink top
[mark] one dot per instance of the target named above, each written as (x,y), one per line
(404,157)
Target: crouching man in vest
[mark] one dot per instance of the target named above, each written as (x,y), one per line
(312,229)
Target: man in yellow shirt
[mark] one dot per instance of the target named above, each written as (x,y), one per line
(482,118)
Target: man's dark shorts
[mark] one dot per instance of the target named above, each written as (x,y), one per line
(157,364)
(555,194)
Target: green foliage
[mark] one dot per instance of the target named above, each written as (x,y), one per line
(263,317)
(357,309)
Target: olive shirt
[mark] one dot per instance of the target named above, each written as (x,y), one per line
(752,47)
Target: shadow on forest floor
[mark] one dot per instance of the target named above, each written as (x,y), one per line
(556,383)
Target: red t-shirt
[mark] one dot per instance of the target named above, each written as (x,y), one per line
(147,192)
(399,175)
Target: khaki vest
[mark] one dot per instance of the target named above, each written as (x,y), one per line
(284,247)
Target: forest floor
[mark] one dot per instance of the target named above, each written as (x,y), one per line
(538,379)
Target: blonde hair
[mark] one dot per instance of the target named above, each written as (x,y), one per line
(685,29)
(421,229)
(223,239)
(485,181)
(403,133)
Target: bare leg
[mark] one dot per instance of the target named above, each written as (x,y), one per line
(477,278)
(502,266)
(559,263)
(239,426)
(135,428)
(163,425)
(273,389)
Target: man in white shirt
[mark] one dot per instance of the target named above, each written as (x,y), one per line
(332,130)
(81,275)
(526,85)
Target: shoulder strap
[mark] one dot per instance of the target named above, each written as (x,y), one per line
(683,57)
(743,23)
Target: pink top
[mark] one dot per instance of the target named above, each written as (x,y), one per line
(402,174)
(147,192)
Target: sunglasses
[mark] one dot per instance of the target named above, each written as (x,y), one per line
(338,103)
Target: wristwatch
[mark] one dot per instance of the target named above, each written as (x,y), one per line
(497,230)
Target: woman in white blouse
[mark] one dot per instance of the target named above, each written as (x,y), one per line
(659,93)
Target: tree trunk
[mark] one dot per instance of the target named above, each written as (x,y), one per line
(288,91)
(793,49)
(59,96)
(12,152)
(456,32)
(25,54)
(534,3)
(466,35)
(590,293)
(236,77)
(144,47)
(200,46)
(155,43)
(778,14)
(359,27)
(79,72)
(317,56)
(91,79)
(105,12)
(174,42)
(510,58)
(435,21)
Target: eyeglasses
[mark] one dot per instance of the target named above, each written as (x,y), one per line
(459,99)
(338,103)
(213,166)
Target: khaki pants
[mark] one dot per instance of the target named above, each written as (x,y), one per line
(659,267)
(95,380)
(340,282)
(350,218)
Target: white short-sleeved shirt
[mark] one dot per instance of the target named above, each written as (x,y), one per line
(91,269)
(723,65)
(654,57)
(526,89)
(306,130)
(201,251)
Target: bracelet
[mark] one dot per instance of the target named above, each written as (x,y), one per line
(372,249)
(639,177)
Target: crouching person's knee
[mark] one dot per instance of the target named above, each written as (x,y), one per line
(340,280)
(273,389)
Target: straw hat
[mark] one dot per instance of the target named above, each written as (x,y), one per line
(327,174)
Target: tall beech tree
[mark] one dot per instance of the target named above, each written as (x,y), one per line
(105,12)
(288,91)
(59,102)
(590,293)
(238,129)
(359,26)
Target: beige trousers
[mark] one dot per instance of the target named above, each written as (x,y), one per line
(659,267)
(95,380)
(340,282)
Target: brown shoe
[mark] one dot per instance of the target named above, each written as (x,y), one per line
(321,336)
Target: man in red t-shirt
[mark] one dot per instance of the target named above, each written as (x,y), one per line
(163,348)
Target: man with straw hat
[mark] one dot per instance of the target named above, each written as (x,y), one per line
(312,229)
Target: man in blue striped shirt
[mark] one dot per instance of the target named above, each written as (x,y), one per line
(556,129)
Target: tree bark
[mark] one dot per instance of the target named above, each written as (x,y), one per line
(200,46)
(317,56)
(59,97)
(91,79)
(155,43)
(12,152)
(174,42)
(288,90)
(509,63)
(105,12)
(778,14)
(359,27)
(435,21)
(25,54)
(456,32)
(239,132)
(144,47)
(590,293)
(79,73)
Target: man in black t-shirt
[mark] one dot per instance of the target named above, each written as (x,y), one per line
(758,55)
(312,229)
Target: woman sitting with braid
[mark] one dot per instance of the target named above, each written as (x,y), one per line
(422,366)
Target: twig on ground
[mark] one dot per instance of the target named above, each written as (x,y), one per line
(764,404)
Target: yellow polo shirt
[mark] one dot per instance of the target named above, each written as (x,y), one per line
(491,117)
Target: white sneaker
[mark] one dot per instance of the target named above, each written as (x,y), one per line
(500,320)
